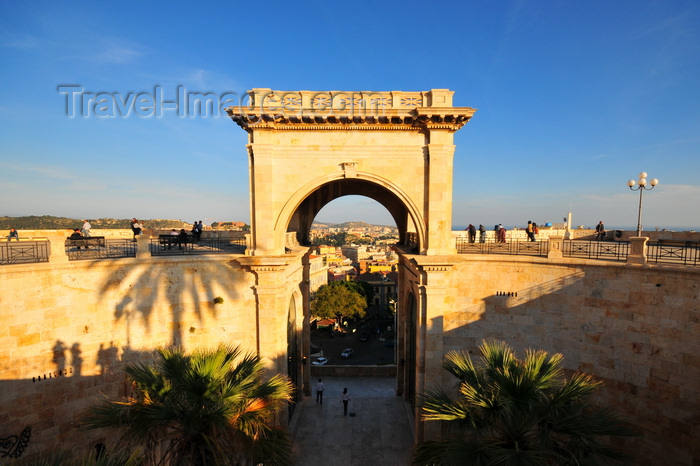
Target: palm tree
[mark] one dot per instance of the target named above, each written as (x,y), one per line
(518,412)
(210,407)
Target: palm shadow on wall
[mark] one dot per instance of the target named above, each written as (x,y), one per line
(181,286)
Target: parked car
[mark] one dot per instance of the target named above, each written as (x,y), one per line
(347,352)
(364,337)
(320,362)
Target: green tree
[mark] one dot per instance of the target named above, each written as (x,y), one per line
(337,301)
(210,407)
(364,288)
(518,412)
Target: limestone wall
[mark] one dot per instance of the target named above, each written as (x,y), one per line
(636,328)
(67,329)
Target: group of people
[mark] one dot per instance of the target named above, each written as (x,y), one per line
(344,397)
(181,238)
(471,230)
(499,232)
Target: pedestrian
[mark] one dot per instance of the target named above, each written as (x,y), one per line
(345,398)
(530,231)
(472,233)
(85,230)
(495,233)
(136,228)
(319,392)
(501,234)
(482,233)
(600,231)
(13,234)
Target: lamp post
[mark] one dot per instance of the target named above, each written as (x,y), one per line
(642,186)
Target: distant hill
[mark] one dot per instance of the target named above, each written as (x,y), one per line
(49,222)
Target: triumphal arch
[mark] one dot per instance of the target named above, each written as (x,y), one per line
(308,148)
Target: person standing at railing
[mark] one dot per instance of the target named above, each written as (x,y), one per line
(13,234)
(501,234)
(471,230)
(482,233)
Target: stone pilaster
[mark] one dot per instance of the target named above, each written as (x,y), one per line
(142,249)
(556,246)
(57,246)
(434,300)
(638,250)
(271,308)
(440,154)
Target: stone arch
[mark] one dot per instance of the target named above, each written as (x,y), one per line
(303,206)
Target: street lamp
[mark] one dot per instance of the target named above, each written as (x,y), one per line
(642,186)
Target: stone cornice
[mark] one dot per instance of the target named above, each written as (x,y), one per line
(351,110)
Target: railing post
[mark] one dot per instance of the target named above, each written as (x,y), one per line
(57,248)
(142,249)
(638,250)
(556,246)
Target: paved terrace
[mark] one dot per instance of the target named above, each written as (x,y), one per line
(380,433)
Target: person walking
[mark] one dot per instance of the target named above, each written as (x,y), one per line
(319,392)
(600,231)
(85,230)
(345,398)
(530,231)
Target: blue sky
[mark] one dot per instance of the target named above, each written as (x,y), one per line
(573,99)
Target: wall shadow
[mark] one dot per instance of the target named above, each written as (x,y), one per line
(607,324)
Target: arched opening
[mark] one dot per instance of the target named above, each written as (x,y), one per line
(321,196)
(368,257)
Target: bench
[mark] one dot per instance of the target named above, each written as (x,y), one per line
(86,241)
(169,240)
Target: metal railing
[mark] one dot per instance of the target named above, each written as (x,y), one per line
(659,252)
(24,252)
(106,249)
(530,248)
(161,247)
(674,252)
(611,250)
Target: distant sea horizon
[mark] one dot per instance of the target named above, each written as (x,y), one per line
(607,228)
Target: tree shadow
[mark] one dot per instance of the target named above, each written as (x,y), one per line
(182,285)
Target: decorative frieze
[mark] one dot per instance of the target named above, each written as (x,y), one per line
(356,110)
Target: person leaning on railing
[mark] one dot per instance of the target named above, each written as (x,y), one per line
(13,234)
